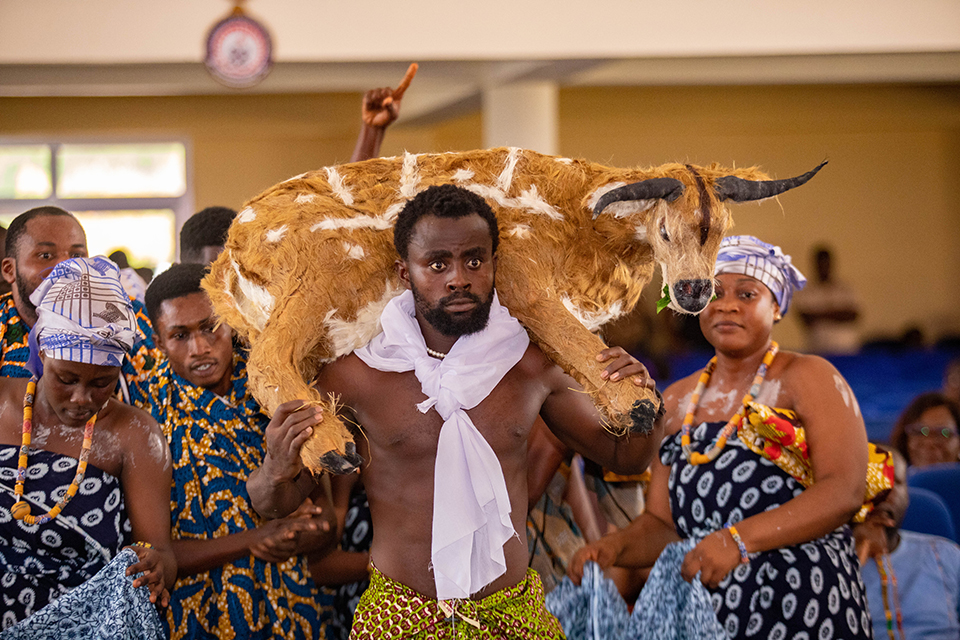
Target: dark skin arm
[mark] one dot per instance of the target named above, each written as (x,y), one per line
(573,418)
(340,567)
(281,484)
(640,543)
(146,478)
(272,541)
(337,567)
(381,108)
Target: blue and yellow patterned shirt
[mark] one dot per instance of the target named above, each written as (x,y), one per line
(216,443)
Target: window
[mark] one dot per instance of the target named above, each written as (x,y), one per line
(128,195)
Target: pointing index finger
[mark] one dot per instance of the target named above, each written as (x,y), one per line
(402,87)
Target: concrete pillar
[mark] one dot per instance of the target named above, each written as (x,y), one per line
(523,115)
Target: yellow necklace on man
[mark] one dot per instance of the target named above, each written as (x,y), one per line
(697,458)
(20,509)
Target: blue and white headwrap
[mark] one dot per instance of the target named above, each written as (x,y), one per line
(83,315)
(765,262)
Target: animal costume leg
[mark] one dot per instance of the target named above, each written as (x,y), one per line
(567,342)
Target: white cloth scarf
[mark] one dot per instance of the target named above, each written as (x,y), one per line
(471,506)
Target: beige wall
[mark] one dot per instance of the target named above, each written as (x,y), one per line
(240,144)
(889,201)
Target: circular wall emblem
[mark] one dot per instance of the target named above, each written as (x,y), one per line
(239,52)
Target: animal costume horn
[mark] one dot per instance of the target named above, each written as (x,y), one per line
(667,188)
(740,190)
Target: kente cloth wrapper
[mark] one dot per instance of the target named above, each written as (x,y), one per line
(592,611)
(391,610)
(84,315)
(776,435)
(765,262)
(471,506)
(669,607)
(106,607)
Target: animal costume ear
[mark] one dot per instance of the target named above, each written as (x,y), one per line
(740,190)
(668,189)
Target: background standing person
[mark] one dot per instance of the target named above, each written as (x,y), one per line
(776,554)
(38,240)
(829,310)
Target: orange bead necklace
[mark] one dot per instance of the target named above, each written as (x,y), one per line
(697,458)
(20,509)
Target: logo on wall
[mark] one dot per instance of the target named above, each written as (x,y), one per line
(239,51)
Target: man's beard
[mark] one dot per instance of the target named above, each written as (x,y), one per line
(25,291)
(448,324)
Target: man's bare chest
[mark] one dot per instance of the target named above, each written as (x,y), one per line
(393,419)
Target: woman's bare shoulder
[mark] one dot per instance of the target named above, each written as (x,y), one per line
(136,431)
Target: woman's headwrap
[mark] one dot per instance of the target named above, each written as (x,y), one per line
(83,315)
(765,262)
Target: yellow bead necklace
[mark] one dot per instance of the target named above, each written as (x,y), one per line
(697,458)
(21,510)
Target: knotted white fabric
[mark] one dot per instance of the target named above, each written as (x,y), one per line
(471,506)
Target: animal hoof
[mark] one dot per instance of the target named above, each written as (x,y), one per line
(334,462)
(643,415)
(351,454)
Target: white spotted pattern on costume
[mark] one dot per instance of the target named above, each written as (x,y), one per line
(276,235)
(338,187)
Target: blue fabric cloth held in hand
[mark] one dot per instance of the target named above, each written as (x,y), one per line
(105,607)
(670,608)
(593,611)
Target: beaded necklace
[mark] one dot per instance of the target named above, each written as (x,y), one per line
(697,458)
(436,354)
(20,509)
(892,578)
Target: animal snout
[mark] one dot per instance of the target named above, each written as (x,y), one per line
(693,295)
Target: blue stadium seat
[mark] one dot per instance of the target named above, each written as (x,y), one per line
(928,513)
(944,480)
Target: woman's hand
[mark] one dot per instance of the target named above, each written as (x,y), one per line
(604,552)
(715,557)
(151,565)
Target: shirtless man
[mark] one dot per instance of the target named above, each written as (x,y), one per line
(447,239)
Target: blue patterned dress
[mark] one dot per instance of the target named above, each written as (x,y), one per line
(39,563)
(811,591)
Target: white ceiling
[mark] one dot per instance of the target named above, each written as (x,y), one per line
(144,47)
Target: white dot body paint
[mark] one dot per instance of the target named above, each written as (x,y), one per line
(846,393)
(769,393)
(728,402)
